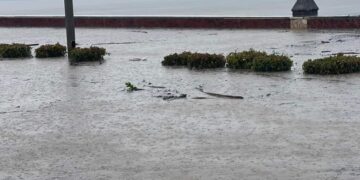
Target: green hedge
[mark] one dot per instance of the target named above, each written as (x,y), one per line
(338,64)
(258,61)
(195,60)
(15,51)
(87,54)
(50,50)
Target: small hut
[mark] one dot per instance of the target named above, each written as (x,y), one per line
(303,8)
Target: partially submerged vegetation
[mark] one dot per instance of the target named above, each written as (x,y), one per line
(15,51)
(176,59)
(258,61)
(195,60)
(251,59)
(338,64)
(206,61)
(130,87)
(87,54)
(272,63)
(244,59)
(254,60)
(50,50)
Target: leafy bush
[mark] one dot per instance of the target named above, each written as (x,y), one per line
(272,63)
(195,60)
(176,59)
(258,61)
(204,61)
(49,50)
(87,54)
(243,60)
(15,51)
(338,64)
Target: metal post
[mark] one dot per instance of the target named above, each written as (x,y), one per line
(69,22)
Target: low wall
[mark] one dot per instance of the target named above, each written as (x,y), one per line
(346,22)
(150,22)
(186,22)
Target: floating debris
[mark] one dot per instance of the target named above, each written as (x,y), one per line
(306,78)
(168,95)
(200,88)
(325,51)
(158,91)
(157,87)
(289,103)
(113,43)
(138,59)
(32,44)
(139,31)
(325,42)
(200,98)
(342,53)
(9,112)
(173,96)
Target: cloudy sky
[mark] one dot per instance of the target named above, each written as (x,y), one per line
(175,7)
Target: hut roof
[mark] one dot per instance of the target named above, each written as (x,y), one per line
(305,5)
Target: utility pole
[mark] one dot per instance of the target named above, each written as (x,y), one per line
(70,24)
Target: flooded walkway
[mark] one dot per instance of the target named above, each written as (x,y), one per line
(77,122)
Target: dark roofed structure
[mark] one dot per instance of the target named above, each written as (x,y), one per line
(304,8)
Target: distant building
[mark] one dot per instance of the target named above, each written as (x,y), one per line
(303,8)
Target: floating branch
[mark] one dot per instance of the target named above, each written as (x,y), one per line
(219,95)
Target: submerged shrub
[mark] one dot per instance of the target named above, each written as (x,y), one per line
(87,54)
(258,61)
(243,60)
(50,50)
(272,63)
(195,60)
(15,51)
(338,64)
(176,59)
(205,61)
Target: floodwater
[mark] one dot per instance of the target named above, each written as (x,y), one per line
(175,7)
(76,122)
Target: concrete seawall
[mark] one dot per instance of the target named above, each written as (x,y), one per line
(186,22)
(346,22)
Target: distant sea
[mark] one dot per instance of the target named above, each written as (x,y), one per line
(175,7)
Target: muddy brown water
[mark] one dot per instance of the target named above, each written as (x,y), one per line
(76,122)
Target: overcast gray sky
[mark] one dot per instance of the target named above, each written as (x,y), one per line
(175,7)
